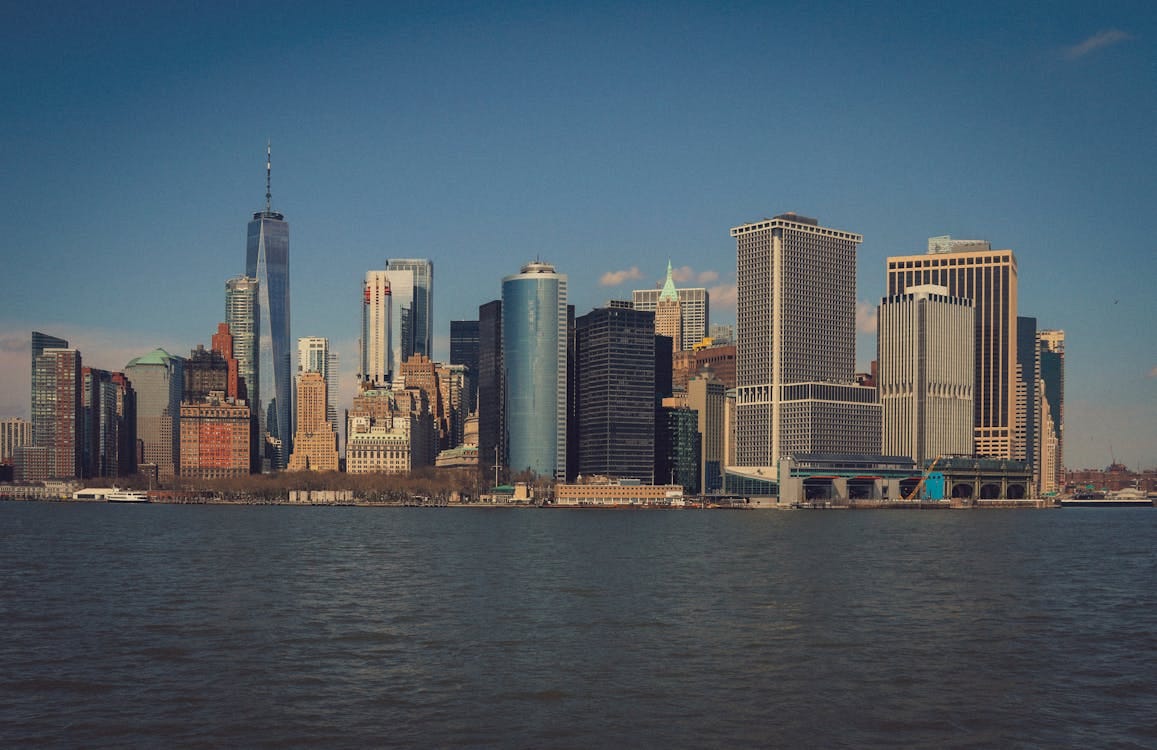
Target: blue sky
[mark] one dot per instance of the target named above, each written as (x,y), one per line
(601,137)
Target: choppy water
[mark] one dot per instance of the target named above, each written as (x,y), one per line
(212,626)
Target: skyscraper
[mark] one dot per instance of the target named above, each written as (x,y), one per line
(669,313)
(376,350)
(926,373)
(314,355)
(972,269)
(615,394)
(694,309)
(1027,426)
(158,380)
(244,326)
(315,444)
(241,317)
(464,351)
(491,394)
(267,260)
(534,348)
(1052,378)
(57,417)
(796,344)
(109,423)
(421,324)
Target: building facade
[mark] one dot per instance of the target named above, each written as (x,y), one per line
(796,344)
(267,260)
(108,404)
(925,373)
(214,438)
(615,393)
(534,351)
(972,269)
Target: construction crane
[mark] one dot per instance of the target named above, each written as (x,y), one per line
(920,485)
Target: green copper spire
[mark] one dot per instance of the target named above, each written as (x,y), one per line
(669,292)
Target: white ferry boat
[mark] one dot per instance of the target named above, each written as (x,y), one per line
(128,496)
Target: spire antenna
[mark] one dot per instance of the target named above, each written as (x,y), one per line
(268,171)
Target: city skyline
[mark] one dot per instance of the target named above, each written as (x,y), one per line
(971,135)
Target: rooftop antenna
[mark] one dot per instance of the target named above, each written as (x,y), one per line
(268,170)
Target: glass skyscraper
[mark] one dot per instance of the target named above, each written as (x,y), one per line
(534,351)
(418,336)
(267,260)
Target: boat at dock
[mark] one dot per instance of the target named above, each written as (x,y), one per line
(128,496)
(1129,497)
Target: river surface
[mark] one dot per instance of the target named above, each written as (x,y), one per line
(221,626)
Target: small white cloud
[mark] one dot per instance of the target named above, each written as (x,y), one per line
(682,274)
(1100,40)
(615,278)
(1153,373)
(706,277)
(723,296)
(865,317)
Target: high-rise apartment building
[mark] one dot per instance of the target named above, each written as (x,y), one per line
(314,355)
(972,269)
(158,380)
(244,327)
(615,395)
(694,310)
(377,362)
(925,373)
(419,337)
(267,260)
(57,416)
(1052,383)
(796,344)
(315,444)
(491,392)
(534,351)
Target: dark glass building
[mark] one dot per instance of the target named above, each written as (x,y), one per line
(491,401)
(464,351)
(615,393)
(683,446)
(267,260)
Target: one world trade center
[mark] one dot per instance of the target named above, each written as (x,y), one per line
(267,260)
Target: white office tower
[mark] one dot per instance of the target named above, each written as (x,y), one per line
(377,361)
(925,378)
(796,331)
(314,355)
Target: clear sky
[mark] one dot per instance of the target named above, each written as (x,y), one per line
(602,137)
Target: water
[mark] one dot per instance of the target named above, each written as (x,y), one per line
(215,626)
